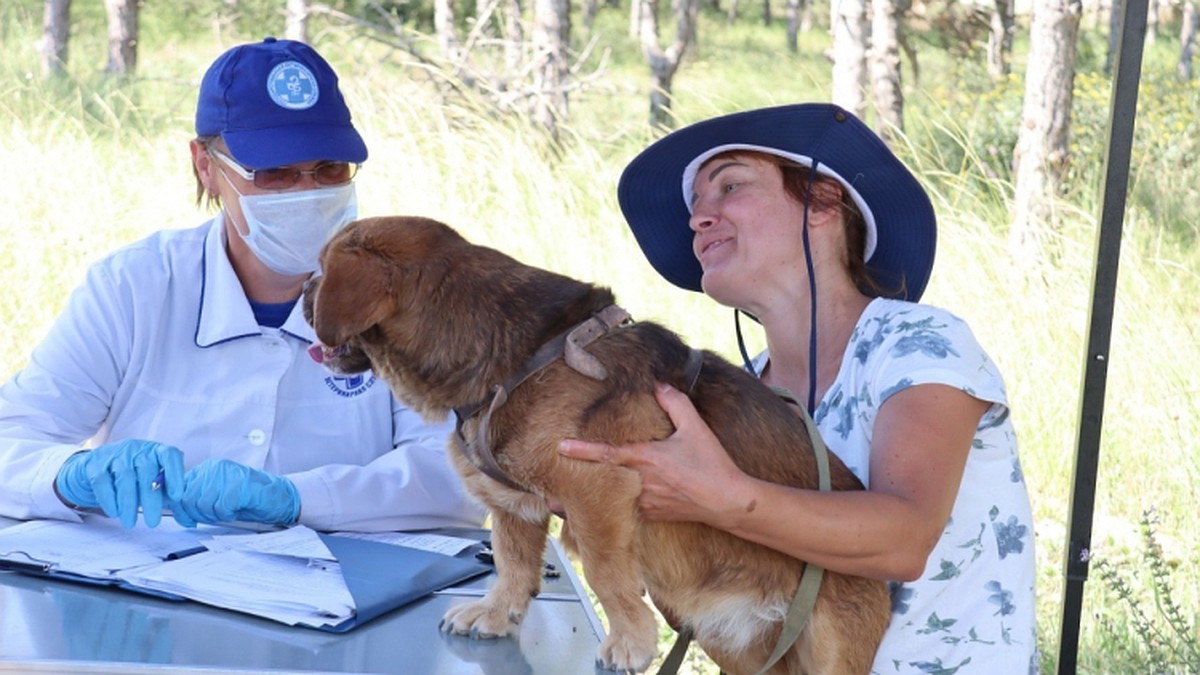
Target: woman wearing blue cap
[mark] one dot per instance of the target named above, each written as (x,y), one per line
(181,360)
(802,218)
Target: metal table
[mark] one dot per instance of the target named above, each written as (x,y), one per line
(56,626)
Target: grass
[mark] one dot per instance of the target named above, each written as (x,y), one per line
(95,163)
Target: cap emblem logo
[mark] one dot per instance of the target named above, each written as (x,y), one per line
(292,85)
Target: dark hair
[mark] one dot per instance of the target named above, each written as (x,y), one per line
(209,199)
(795,181)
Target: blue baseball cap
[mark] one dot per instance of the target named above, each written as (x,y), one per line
(655,190)
(276,103)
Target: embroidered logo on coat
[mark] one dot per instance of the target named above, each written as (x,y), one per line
(350,385)
(291,85)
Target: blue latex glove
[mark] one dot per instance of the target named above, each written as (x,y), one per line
(223,491)
(119,477)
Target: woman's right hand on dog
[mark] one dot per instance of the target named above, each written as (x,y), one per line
(687,476)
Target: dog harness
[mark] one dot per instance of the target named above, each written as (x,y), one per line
(802,604)
(569,346)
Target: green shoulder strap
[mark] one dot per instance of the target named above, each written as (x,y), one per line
(805,599)
(800,609)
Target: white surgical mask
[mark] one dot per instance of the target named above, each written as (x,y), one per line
(288,229)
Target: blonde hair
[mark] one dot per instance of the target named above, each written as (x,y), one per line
(211,200)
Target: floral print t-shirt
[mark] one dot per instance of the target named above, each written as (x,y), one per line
(972,610)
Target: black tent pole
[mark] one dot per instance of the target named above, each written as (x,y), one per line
(1122,112)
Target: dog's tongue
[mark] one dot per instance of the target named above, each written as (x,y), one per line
(316,352)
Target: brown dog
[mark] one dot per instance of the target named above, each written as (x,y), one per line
(454,326)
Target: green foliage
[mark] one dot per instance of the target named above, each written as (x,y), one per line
(1168,638)
(968,131)
(958,29)
(967,126)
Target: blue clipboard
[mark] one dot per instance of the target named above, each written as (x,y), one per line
(382,577)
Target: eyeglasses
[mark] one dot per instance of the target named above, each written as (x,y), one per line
(284,177)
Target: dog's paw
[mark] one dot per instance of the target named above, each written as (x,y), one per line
(626,654)
(480,620)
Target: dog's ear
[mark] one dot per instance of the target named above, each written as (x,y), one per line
(354,294)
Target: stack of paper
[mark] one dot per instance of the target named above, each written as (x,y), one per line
(290,575)
(97,547)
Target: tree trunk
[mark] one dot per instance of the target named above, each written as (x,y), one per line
(1000,39)
(56,24)
(447,32)
(551,34)
(793,26)
(766,12)
(224,17)
(1041,155)
(514,35)
(590,7)
(1151,22)
(850,35)
(296,20)
(1189,23)
(122,36)
(731,12)
(910,53)
(664,63)
(1114,34)
(885,69)
(685,26)
(1091,15)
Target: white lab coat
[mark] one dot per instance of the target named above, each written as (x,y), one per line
(160,343)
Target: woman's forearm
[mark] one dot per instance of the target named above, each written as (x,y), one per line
(863,533)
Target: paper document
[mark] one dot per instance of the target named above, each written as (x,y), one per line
(288,589)
(295,576)
(435,543)
(97,547)
(298,541)
(288,575)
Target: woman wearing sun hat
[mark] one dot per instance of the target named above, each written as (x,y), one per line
(178,375)
(901,391)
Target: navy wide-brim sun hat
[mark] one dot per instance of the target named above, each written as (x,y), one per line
(655,189)
(277,103)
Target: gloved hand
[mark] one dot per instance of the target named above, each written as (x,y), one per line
(222,491)
(119,477)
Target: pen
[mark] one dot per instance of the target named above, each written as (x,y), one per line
(176,555)
(158,480)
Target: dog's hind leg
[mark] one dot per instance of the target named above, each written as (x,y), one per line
(605,542)
(518,545)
